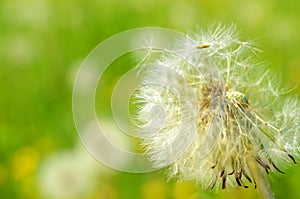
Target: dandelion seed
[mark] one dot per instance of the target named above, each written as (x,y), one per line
(212,115)
(203,46)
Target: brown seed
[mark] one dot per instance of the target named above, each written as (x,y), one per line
(203,46)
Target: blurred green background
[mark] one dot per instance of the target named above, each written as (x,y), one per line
(43,42)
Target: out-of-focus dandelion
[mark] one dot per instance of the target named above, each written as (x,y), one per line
(209,113)
(69,174)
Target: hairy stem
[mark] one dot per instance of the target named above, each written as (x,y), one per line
(262,183)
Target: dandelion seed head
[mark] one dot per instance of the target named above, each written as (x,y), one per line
(206,104)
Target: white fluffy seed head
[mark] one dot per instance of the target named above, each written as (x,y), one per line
(205,105)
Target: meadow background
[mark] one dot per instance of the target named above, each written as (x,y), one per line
(42,44)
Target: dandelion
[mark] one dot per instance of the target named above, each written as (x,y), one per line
(68,174)
(209,113)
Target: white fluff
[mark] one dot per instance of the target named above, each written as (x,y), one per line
(205,105)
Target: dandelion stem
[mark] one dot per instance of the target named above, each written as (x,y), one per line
(262,183)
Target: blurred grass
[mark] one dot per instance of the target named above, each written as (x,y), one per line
(42,45)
